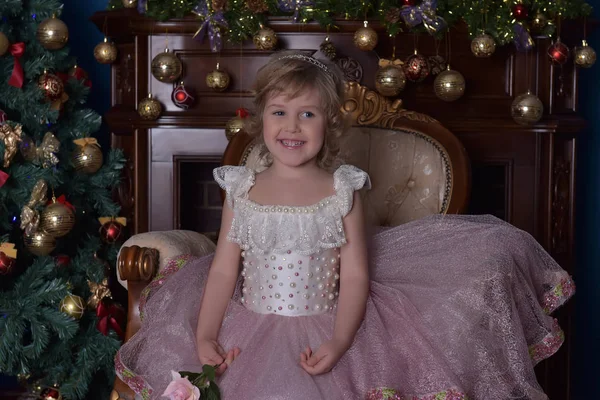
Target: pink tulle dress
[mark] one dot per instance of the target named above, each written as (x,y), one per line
(459,306)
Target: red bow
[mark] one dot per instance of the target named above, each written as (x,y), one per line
(79,74)
(110,316)
(3,178)
(63,200)
(17,78)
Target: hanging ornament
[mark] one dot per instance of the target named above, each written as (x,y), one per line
(130,3)
(8,258)
(416,68)
(392,15)
(257,6)
(40,243)
(73,306)
(235,124)
(527,109)
(44,154)
(218,80)
(483,45)
(365,38)
(584,56)
(183,97)
(50,394)
(87,156)
(166,67)
(105,52)
(539,21)
(3,117)
(149,108)
(99,291)
(328,48)
(265,38)
(52,33)
(30,218)
(437,64)
(390,79)
(4,44)
(558,52)
(449,85)
(10,137)
(58,218)
(520,12)
(51,85)
(112,229)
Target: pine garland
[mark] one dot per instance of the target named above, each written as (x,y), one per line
(495,17)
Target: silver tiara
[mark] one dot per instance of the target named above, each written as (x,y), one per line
(309,59)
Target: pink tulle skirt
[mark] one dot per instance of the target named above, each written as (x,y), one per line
(459,306)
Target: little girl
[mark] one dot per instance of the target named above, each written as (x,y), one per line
(442,308)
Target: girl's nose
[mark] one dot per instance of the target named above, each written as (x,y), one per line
(292,124)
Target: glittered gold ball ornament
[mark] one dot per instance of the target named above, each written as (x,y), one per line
(52,33)
(483,45)
(129,3)
(365,38)
(40,243)
(233,126)
(539,21)
(166,67)
(265,38)
(57,219)
(51,85)
(584,56)
(527,109)
(218,80)
(87,158)
(50,394)
(390,80)
(4,44)
(149,108)
(105,52)
(73,306)
(449,85)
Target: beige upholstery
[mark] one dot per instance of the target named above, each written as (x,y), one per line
(170,244)
(409,171)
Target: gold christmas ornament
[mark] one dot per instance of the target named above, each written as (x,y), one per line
(390,79)
(166,67)
(40,243)
(99,291)
(449,85)
(105,52)
(149,108)
(527,109)
(539,21)
(217,80)
(57,219)
(44,154)
(129,3)
(11,137)
(52,33)
(87,157)
(483,45)
(328,48)
(51,85)
(73,306)
(30,218)
(584,56)
(233,126)
(4,44)
(365,38)
(265,38)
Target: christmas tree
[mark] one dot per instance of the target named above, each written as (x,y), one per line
(59,327)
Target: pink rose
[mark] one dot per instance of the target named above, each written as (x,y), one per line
(181,389)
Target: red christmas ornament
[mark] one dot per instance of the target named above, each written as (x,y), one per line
(111,231)
(520,12)
(50,394)
(416,68)
(3,117)
(52,86)
(6,263)
(408,3)
(183,97)
(558,52)
(62,261)
(242,112)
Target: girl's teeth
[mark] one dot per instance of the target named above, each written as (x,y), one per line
(292,143)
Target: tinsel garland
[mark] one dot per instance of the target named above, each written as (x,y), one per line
(494,17)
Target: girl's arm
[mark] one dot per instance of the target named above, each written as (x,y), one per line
(352,301)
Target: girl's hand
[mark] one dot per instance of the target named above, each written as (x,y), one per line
(211,353)
(324,359)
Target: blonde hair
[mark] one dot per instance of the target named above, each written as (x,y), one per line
(294,73)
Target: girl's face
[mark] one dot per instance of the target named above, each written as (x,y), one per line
(294,128)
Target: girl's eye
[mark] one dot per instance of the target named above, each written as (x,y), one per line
(279,113)
(308,114)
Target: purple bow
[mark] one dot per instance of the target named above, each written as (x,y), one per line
(142,6)
(522,39)
(423,13)
(210,26)
(294,6)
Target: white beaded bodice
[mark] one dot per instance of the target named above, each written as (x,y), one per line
(291,254)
